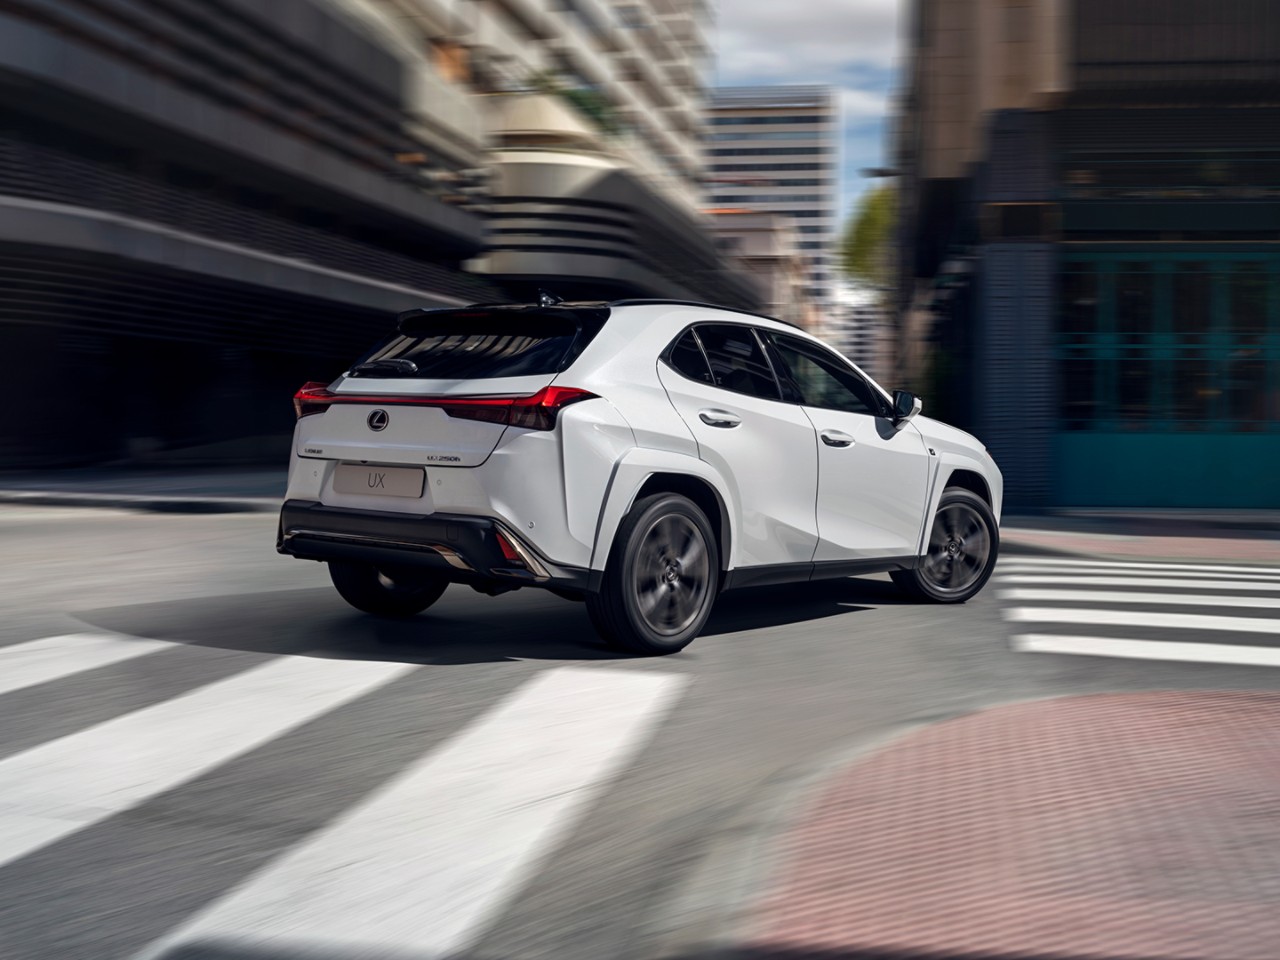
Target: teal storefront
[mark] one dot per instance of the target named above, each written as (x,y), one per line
(1168,374)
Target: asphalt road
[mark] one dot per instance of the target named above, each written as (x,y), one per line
(276,775)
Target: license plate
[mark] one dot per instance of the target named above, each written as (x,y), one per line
(378,481)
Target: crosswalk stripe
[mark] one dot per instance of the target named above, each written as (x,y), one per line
(1142,618)
(51,658)
(424,863)
(1241,585)
(61,786)
(1148,649)
(1139,565)
(1174,575)
(1166,599)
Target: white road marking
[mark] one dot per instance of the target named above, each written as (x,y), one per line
(50,658)
(424,863)
(1142,618)
(1148,649)
(1243,585)
(1175,575)
(1136,565)
(1167,599)
(61,786)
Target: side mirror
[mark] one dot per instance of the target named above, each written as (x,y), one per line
(905,406)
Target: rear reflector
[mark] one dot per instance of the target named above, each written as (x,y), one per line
(509,553)
(537,412)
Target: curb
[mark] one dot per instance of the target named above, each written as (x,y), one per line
(154,504)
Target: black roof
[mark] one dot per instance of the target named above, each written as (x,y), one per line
(589,305)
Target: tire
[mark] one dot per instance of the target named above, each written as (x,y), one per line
(661,578)
(386,592)
(964,542)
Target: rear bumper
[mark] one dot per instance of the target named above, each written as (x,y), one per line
(464,549)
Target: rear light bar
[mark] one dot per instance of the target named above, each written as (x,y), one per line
(537,412)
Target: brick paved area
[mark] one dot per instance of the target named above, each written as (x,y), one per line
(1117,826)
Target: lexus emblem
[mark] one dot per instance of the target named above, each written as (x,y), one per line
(378,420)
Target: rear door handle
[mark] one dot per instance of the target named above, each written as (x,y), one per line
(719,418)
(834,438)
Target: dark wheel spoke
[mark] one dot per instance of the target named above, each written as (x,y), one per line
(672,574)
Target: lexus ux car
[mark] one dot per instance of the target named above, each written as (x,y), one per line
(640,455)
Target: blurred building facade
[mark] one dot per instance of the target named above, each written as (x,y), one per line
(776,149)
(590,115)
(859,332)
(764,245)
(1090,207)
(207,204)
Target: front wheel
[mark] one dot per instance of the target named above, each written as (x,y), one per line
(964,542)
(661,578)
(386,592)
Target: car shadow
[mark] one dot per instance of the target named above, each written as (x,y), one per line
(461,629)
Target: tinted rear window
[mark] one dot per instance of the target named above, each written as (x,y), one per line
(473,345)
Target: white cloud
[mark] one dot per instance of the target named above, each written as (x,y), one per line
(804,41)
(858,105)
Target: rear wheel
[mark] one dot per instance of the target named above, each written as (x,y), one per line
(963,544)
(386,591)
(661,579)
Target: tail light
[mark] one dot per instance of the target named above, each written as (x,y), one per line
(314,397)
(537,412)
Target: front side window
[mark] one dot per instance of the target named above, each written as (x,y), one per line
(819,379)
(737,362)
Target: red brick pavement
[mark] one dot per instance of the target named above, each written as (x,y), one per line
(1118,826)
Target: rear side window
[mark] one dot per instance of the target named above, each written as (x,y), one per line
(687,358)
(475,345)
(737,362)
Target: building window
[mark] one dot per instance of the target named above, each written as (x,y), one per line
(1182,342)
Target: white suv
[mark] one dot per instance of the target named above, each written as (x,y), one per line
(640,455)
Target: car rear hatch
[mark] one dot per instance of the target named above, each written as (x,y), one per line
(442,390)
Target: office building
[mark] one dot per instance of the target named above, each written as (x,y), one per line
(763,245)
(776,150)
(1090,201)
(590,116)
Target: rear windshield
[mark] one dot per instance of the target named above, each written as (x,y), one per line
(472,345)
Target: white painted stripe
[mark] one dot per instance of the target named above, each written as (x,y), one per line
(1140,565)
(1148,649)
(1172,575)
(1221,585)
(1142,618)
(428,860)
(59,787)
(51,658)
(1165,599)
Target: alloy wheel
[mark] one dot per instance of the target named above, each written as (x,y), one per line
(959,549)
(672,574)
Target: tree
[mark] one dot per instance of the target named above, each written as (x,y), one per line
(867,249)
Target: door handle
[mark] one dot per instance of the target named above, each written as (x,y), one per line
(834,438)
(719,418)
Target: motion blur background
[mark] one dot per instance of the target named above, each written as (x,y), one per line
(1066,238)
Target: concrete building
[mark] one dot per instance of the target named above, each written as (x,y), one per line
(1090,201)
(199,210)
(589,118)
(764,246)
(776,149)
(209,204)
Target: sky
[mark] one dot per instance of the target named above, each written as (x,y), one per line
(850,44)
